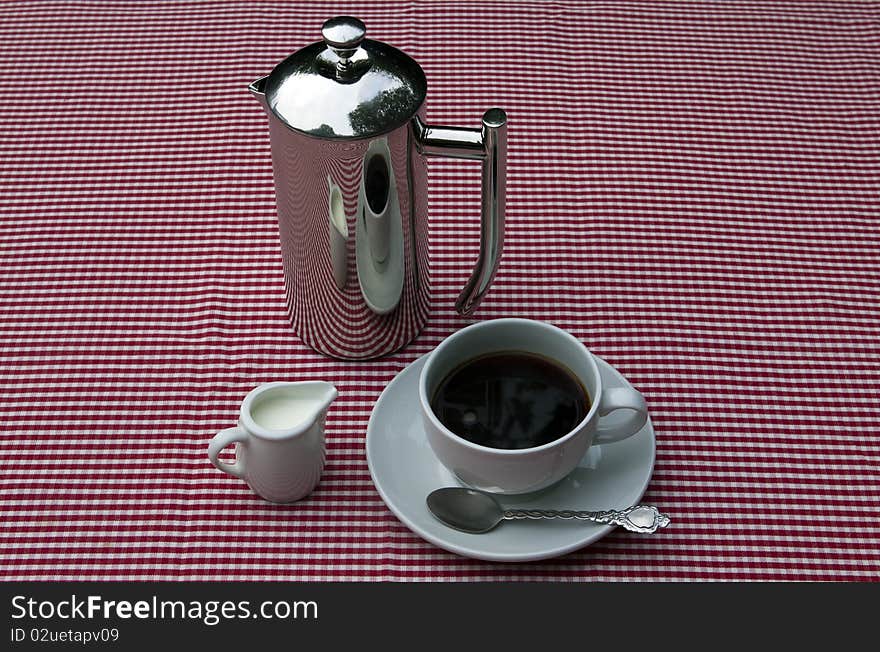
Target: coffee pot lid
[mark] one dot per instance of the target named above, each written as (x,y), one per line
(346,86)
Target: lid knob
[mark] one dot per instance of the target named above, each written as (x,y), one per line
(343,35)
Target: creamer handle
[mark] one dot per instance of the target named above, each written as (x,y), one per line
(220,441)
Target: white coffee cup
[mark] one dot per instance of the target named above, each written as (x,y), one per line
(279,439)
(514,471)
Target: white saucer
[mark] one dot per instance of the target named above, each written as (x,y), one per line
(405,471)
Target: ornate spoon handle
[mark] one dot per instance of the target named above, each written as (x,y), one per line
(639,518)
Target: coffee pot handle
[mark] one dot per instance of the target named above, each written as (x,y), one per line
(488,144)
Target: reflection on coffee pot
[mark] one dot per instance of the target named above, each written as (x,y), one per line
(377,188)
(338,229)
(349,135)
(379,232)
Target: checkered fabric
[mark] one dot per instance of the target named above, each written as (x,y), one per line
(692,191)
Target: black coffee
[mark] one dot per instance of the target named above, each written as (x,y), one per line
(510,400)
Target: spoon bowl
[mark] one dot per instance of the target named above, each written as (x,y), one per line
(466,510)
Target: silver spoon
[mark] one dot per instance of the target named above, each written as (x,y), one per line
(476,512)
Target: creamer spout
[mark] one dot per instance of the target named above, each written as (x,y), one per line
(327,393)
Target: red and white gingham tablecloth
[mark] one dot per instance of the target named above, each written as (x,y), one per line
(693,191)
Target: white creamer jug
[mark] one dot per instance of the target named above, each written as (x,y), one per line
(279,439)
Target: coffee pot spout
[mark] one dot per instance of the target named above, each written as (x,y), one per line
(258,90)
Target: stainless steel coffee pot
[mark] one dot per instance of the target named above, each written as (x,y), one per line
(349,141)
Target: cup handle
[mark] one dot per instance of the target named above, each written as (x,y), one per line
(220,441)
(621,398)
